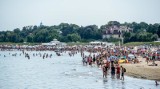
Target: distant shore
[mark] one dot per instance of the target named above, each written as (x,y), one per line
(85,43)
(142,70)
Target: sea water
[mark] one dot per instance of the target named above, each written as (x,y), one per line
(59,72)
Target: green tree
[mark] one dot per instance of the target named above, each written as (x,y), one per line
(30,38)
(158,32)
(17,30)
(111,23)
(154,37)
(73,37)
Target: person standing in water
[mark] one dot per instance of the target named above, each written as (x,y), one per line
(105,68)
(122,73)
(118,71)
(112,70)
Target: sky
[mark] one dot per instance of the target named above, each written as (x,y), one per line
(20,13)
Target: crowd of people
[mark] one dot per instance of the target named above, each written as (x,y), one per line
(106,58)
(104,61)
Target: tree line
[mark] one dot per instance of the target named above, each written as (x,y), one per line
(72,33)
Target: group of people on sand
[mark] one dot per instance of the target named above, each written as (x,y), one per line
(151,58)
(102,58)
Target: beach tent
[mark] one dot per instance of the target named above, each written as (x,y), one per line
(131,56)
(112,58)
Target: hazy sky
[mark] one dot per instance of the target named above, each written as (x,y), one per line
(19,13)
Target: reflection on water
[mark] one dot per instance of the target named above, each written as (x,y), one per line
(59,72)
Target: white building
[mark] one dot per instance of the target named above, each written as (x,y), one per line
(99,43)
(55,42)
(115,31)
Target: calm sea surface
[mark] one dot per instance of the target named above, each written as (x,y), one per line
(58,72)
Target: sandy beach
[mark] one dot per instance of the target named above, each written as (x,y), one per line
(142,70)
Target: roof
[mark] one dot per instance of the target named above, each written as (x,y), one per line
(52,44)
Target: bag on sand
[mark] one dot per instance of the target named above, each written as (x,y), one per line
(124,69)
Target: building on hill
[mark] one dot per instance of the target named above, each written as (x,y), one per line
(125,29)
(115,31)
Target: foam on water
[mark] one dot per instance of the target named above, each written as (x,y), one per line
(59,72)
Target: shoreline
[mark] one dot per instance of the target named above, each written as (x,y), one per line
(135,75)
(142,70)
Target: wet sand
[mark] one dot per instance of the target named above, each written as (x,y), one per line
(142,70)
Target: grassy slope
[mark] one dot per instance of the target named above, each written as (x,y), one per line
(142,43)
